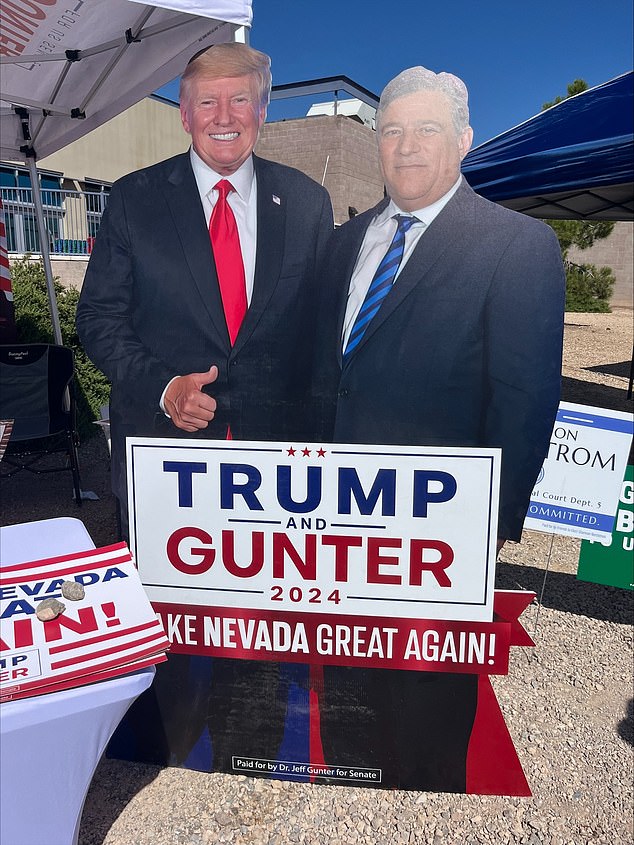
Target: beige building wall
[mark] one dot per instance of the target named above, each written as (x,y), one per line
(69,270)
(148,132)
(617,252)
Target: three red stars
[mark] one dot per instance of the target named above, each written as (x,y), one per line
(321,453)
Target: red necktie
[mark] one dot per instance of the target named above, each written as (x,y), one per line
(225,243)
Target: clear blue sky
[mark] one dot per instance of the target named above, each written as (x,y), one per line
(513,55)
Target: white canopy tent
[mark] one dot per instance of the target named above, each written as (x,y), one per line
(69,67)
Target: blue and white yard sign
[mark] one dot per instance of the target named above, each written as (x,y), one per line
(577,490)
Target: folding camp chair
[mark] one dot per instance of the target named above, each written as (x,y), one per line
(36,392)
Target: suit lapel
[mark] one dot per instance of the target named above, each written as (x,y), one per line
(271,227)
(184,203)
(419,270)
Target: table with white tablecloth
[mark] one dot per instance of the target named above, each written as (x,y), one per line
(51,744)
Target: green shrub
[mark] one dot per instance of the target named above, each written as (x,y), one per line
(33,322)
(588,288)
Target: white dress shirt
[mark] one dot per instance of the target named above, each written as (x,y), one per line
(378,237)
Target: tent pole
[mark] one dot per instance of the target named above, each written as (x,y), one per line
(46,256)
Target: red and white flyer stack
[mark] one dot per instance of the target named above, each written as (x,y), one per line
(111,631)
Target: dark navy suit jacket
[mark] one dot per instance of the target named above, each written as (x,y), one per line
(150,307)
(465,350)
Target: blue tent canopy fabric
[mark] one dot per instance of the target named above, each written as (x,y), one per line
(572,161)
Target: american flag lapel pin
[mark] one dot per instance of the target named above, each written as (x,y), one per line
(276,200)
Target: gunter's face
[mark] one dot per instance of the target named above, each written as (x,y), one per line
(223,117)
(419,149)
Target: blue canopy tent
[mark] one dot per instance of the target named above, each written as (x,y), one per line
(572,161)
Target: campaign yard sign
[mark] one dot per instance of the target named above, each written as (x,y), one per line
(273,565)
(315,546)
(577,490)
(611,561)
(111,631)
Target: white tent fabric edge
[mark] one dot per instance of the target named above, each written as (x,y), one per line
(65,72)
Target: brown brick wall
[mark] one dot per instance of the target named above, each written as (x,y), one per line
(338,152)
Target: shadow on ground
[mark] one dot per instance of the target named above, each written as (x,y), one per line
(563,591)
(620,368)
(598,395)
(27,497)
(113,787)
(626,727)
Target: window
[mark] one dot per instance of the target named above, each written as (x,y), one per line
(96,199)
(17,200)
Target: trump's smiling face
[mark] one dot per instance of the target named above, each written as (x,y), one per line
(223,116)
(419,148)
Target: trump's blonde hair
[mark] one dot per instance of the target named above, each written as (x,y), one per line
(229,60)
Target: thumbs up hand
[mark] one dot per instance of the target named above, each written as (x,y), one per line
(188,407)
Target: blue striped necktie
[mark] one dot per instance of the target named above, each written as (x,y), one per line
(381,284)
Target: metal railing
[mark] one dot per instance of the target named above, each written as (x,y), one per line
(72,219)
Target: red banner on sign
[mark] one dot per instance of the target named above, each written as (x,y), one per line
(376,642)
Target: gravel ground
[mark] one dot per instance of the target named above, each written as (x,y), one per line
(568,703)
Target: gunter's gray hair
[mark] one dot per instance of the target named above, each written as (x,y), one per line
(416,79)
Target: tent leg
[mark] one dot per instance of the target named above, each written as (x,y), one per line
(46,256)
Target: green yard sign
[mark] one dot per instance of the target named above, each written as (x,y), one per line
(612,563)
